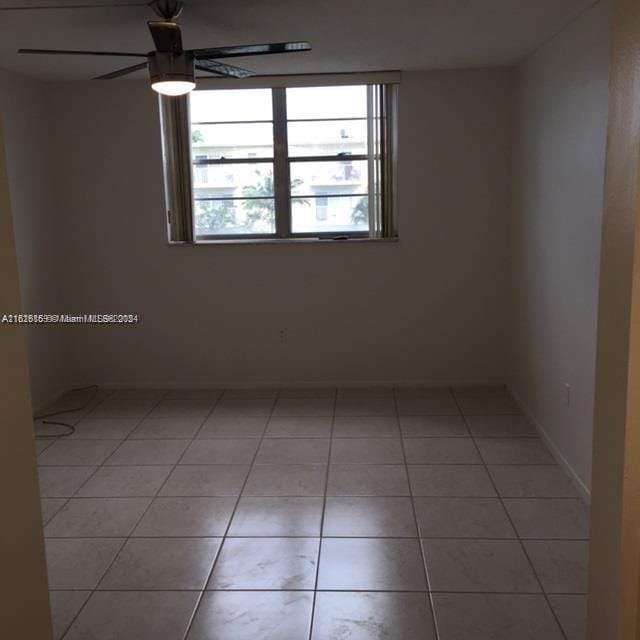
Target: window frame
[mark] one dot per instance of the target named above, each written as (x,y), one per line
(380,158)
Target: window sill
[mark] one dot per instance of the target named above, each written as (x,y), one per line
(280,241)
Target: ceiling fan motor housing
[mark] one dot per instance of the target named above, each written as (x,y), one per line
(171,67)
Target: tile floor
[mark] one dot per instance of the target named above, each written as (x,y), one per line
(310,514)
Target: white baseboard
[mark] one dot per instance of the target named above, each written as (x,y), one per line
(262,384)
(553,447)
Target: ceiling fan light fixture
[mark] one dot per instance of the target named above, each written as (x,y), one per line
(173,87)
(172,74)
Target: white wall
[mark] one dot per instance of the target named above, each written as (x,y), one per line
(431,307)
(25,110)
(561,121)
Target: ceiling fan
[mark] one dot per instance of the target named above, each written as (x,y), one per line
(172,68)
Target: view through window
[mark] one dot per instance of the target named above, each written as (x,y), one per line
(286,162)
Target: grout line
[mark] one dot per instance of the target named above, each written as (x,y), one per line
(332,437)
(434,622)
(324,508)
(224,536)
(126,538)
(518,537)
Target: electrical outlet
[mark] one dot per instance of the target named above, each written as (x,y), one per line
(568,389)
(282,335)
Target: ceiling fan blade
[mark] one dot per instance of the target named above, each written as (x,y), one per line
(251,50)
(166,36)
(221,69)
(83,53)
(122,72)
(101,5)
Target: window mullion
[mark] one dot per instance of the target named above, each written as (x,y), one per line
(281,181)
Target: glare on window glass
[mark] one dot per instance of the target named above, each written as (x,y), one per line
(231,106)
(317,103)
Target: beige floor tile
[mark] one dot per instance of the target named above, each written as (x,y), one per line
(184,517)
(544,481)
(371,564)
(65,606)
(266,563)
(494,616)
(220,451)
(369,517)
(441,451)
(244,406)
(49,508)
(367,451)
(77,452)
(119,407)
(286,480)
(250,615)
(450,481)
(135,615)
(205,480)
(277,517)
(363,406)
(434,406)
(62,482)
(104,428)
(299,427)
(514,451)
(547,518)
(293,451)
(233,427)
(124,482)
(366,427)
(304,407)
(479,566)
(462,518)
(500,426)
(488,405)
(167,428)
(97,517)
(372,616)
(367,480)
(433,426)
(143,452)
(79,563)
(162,564)
(561,565)
(183,408)
(572,613)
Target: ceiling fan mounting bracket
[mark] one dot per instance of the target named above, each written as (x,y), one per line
(167,9)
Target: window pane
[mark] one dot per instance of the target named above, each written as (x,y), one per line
(233,180)
(329,178)
(326,214)
(316,103)
(232,141)
(231,105)
(328,138)
(234,217)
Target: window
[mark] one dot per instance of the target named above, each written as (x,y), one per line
(284,162)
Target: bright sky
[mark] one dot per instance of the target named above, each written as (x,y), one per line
(255,104)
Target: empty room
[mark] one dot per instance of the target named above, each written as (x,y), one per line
(320,321)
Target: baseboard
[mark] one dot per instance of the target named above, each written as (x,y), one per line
(296,384)
(553,447)
(41,407)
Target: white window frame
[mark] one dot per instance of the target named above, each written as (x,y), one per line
(380,157)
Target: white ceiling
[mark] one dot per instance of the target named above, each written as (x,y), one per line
(347,35)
